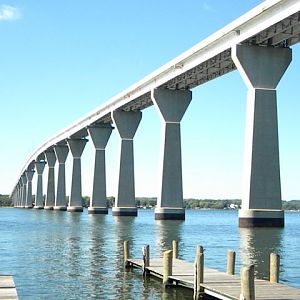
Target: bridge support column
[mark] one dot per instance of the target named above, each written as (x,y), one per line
(24,189)
(75,202)
(29,176)
(19,193)
(61,152)
(261,69)
(171,105)
(100,135)
(126,123)
(39,197)
(50,196)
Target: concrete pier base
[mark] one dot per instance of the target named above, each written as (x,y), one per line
(28,206)
(75,209)
(168,213)
(39,207)
(60,208)
(98,210)
(261,218)
(124,211)
(48,207)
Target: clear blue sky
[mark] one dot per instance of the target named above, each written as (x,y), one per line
(61,59)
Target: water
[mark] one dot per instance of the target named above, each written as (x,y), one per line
(60,255)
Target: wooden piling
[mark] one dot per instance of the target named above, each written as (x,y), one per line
(146,255)
(175,249)
(199,249)
(167,266)
(230,262)
(146,259)
(247,283)
(274,267)
(126,253)
(198,272)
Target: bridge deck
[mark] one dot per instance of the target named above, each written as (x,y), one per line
(7,288)
(216,283)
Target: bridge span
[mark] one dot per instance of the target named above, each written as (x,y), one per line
(259,45)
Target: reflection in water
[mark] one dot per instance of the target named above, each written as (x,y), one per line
(123,230)
(165,232)
(97,254)
(73,245)
(256,244)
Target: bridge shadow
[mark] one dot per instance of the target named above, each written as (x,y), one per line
(256,244)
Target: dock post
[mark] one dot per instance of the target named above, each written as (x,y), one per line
(247,283)
(146,259)
(274,267)
(126,254)
(198,272)
(199,249)
(175,249)
(230,262)
(167,266)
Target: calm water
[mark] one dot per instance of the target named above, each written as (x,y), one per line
(60,255)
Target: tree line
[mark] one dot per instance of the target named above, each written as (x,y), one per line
(188,203)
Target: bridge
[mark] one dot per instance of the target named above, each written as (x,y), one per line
(259,46)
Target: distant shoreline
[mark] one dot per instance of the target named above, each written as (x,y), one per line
(203,209)
(196,204)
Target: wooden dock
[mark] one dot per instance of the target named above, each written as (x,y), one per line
(217,284)
(7,288)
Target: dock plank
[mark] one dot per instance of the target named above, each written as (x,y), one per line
(8,289)
(218,284)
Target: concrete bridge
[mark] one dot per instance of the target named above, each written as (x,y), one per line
(258,45)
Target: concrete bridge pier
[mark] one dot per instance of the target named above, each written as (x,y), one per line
(29,175)
(24,190)
(39,197)
(61,152)
(100,136)
(126,123)
(14,196)
(75,202)
(171,106)
(50,196)
(261,69)
(19,194)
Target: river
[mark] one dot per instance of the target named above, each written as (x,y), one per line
(61,255)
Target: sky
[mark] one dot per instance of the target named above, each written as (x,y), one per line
(62,59)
